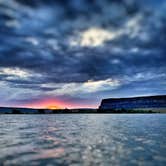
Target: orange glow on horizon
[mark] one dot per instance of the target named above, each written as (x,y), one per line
(47,104)
(56,104)
(53,107)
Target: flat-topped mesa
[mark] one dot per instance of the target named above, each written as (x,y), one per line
(144,102)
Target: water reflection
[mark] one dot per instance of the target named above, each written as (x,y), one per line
(83,139)
(50,153)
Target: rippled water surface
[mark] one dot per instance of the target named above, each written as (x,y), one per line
(83,139)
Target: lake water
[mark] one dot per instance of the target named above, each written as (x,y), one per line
(83,139)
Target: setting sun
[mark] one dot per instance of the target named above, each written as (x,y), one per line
(53,107)
(48,104)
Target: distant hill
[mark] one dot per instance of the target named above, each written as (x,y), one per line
(153,103)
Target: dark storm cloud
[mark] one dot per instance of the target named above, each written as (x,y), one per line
(36,36)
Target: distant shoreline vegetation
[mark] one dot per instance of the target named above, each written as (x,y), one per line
(71,111)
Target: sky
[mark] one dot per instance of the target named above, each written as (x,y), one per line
(74,53)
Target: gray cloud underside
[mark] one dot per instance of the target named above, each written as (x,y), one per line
(36,36)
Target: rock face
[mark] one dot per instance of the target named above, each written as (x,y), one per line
(146,102)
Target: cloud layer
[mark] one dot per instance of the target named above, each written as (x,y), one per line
(81,50)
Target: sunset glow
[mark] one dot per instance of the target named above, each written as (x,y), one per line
(57,104)
(53,107)
(48,104)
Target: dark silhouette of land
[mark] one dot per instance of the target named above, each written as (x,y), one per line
(5,110)
(144,104)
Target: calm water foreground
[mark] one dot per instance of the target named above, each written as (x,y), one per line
(138,139)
